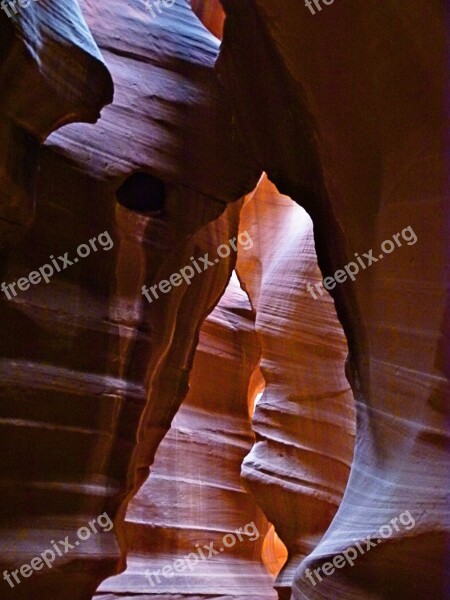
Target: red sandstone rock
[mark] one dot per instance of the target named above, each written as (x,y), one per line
(347,117)
(194,495)
(304,421)
(344,109)
(211,14)
(81,353)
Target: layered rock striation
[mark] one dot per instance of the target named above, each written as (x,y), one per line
(49,50)
(181,525)
(304,421)
(104,220)
(347,118)
(82,352)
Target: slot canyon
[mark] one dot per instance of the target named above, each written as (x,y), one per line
(224,241)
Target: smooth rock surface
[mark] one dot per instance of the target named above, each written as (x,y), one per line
(304,421)
(81,353)
(348,118)
(48,50)
(194,496)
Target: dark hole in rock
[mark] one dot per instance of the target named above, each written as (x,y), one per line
(142,193)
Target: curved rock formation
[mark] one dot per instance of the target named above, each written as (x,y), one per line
(194,495)
(344,108)
(297,476)
(47,49)
(347,118)
(81,352)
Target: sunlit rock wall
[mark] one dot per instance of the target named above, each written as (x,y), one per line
(194,496)
(299,466)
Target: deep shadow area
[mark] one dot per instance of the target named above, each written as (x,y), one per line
(142,193)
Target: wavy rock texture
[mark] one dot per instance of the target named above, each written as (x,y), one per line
(81,354)
(170,116)
(347,118)
(345,111)
(194,495)
(47,49)
(304,422)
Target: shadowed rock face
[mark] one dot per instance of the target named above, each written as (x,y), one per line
(347,118)
(82,353)
(49,51)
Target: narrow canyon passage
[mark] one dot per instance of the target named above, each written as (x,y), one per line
(224,366)
(194,494)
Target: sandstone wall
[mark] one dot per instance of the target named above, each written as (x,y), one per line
(347,117)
